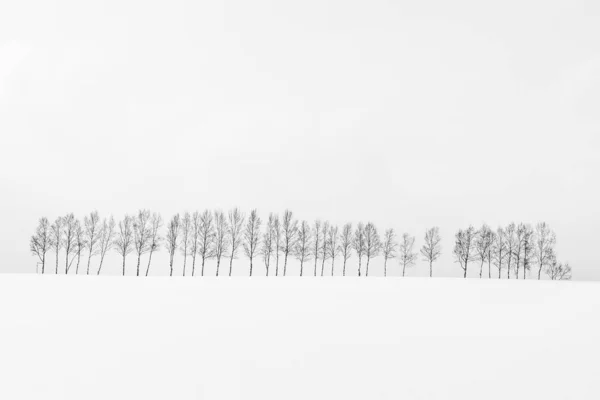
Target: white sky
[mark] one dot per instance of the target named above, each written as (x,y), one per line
(409,114)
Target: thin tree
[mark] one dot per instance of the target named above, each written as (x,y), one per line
(407,256)
(511,244)
(220,243)
(333,245)
(206,238)
(432,249)
(483,244)
(185,226)
(80,244)
(268,242)
(124,243)
(464,247)
(500,250)
(155,240)
(69,229)
(389,247)
(235,226)
(545,240)
(40,242)
(345,247)
(172,238)
(107,235)
(520,233)
(92,235)
(289,228)
(56,238)
(558,271)
(358,244)
(302,246)
(277,238)
(324,251)
(141,235)
(316,242)
(372,244)
(252,236)
(194,238)
(528,249)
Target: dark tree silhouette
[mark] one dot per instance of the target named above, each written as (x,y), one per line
(500,250)
(155,237)
(528,249)
(545,240)
(220,243)
(389,248)
(372,244)
(172,238)
(302,246)
(324,251)
(558,271)
(432,249)
(333,246)
(252,236)
(346,241)
(235,226)
(80,244)
(358,244)
(69,229)
(92,236)
(277,238)
(316,242)
(483,245)
(107,235)
(464,247)
(268,242)
(289,229)
(184,237)
(194,238)
(407,256)
(40,242)
(124,240)
(511,244)
(206,238)
(141,235)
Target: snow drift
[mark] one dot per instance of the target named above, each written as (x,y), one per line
(67,337)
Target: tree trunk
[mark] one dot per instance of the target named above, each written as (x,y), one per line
(385,267)
(43,263)
(332,265)
(149,261)
(88,264)
(56,262)
(481,270)
(78,260)
(490,268)
(218,264)
(359,264)
(124,265)
(323,267)
(171,266)
(277,263)
(230,264)
(316,261)
(67,262)
(193,264)
(202,271)
(430,268)
(250,266)
(138,264)
(184,260)
(301,267)
(101,262)
(285,264)
(344,272)
(540,272)
(368,261)
(403,269)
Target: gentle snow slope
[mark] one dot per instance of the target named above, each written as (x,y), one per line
(66,337)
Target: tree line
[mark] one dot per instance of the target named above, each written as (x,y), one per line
(200,236)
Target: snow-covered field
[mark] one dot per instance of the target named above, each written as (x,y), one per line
(68,337)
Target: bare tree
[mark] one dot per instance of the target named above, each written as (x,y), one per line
(511,244)
(141,235)
(545,240)
(194,238)
(558,271)
(500,250)
(155,238)
(80,244)
(464,247)
(56,238)
(483,245)
(268,241)
(92,235)
(69,229)
(185,235)
(324,252)
(520,233)
(221,243)
(107,235)
(235,225)
(346,241)
(358,244)
(277,238)
(206,238)
(40,242)
(528,249)
(124,241)
(302,246)
(388,248)
(432,249)
(290,233)
(407,256)
(316,242)
(333,245)
(252,236)
(372,243)
(173,232)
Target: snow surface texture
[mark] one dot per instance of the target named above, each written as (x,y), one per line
(66,337)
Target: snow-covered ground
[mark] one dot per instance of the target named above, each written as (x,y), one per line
(67,337)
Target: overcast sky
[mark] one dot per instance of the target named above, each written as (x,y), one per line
(407,113)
